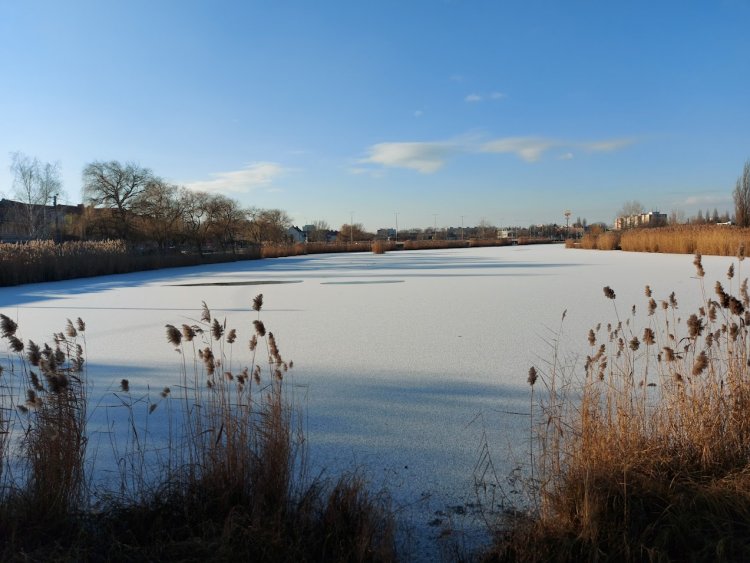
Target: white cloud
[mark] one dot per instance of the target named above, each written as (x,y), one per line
(473,98)
(608,145)
(528,148)
(418,113)
(254,175)
(422,157)
(361,171)
(456,78)
(497,96)
(428,157)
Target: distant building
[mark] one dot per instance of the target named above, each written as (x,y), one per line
(296,234)
(650,219)
(22,221)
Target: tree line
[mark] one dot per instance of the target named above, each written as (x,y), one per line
(130,202)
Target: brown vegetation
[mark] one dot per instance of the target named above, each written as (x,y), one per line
(231,486)
(719,240)
(645,458)
(43,260)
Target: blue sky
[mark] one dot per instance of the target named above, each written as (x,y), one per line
(506,111)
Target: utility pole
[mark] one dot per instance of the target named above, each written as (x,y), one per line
(462,227)
(57,222)
(351,226)
(434,228)
(567,223)
(396,226)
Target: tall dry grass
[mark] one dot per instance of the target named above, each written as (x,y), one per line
(719,240)
(644,458)
(231,485)
(42,261)
(609,240)
(43,400)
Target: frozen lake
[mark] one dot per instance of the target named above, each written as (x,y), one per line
(402,361)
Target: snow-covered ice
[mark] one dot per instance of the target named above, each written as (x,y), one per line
(402,360)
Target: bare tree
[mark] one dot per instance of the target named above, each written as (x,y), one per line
(159,212)
(35,184)
(629,208)
(676,217)
(353,232)
(196,218)
(268,225)
(319,232)
(115,186)
(742,197)
(228,220)
(486,229)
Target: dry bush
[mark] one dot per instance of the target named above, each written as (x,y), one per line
(378,247)
(720,240)
(589,241)
(609,240)
(646,457)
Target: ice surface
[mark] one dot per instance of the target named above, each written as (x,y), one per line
(402,360)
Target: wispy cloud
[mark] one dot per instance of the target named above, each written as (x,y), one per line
(418,113)
(362,171)
(474,97)
(456,78)
(428,157)
(253,176)
(528,148)
(425,157)
(607,145)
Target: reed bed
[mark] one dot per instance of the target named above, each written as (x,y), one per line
(644,457)
(609,240)
(43,261)
(232,485)
(718,240)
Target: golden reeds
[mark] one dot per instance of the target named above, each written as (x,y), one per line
(233,485)
(643,457)
(719,240)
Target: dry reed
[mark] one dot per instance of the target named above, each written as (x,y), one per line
(646,458)
(41,261)
(232,483)
(718,240)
